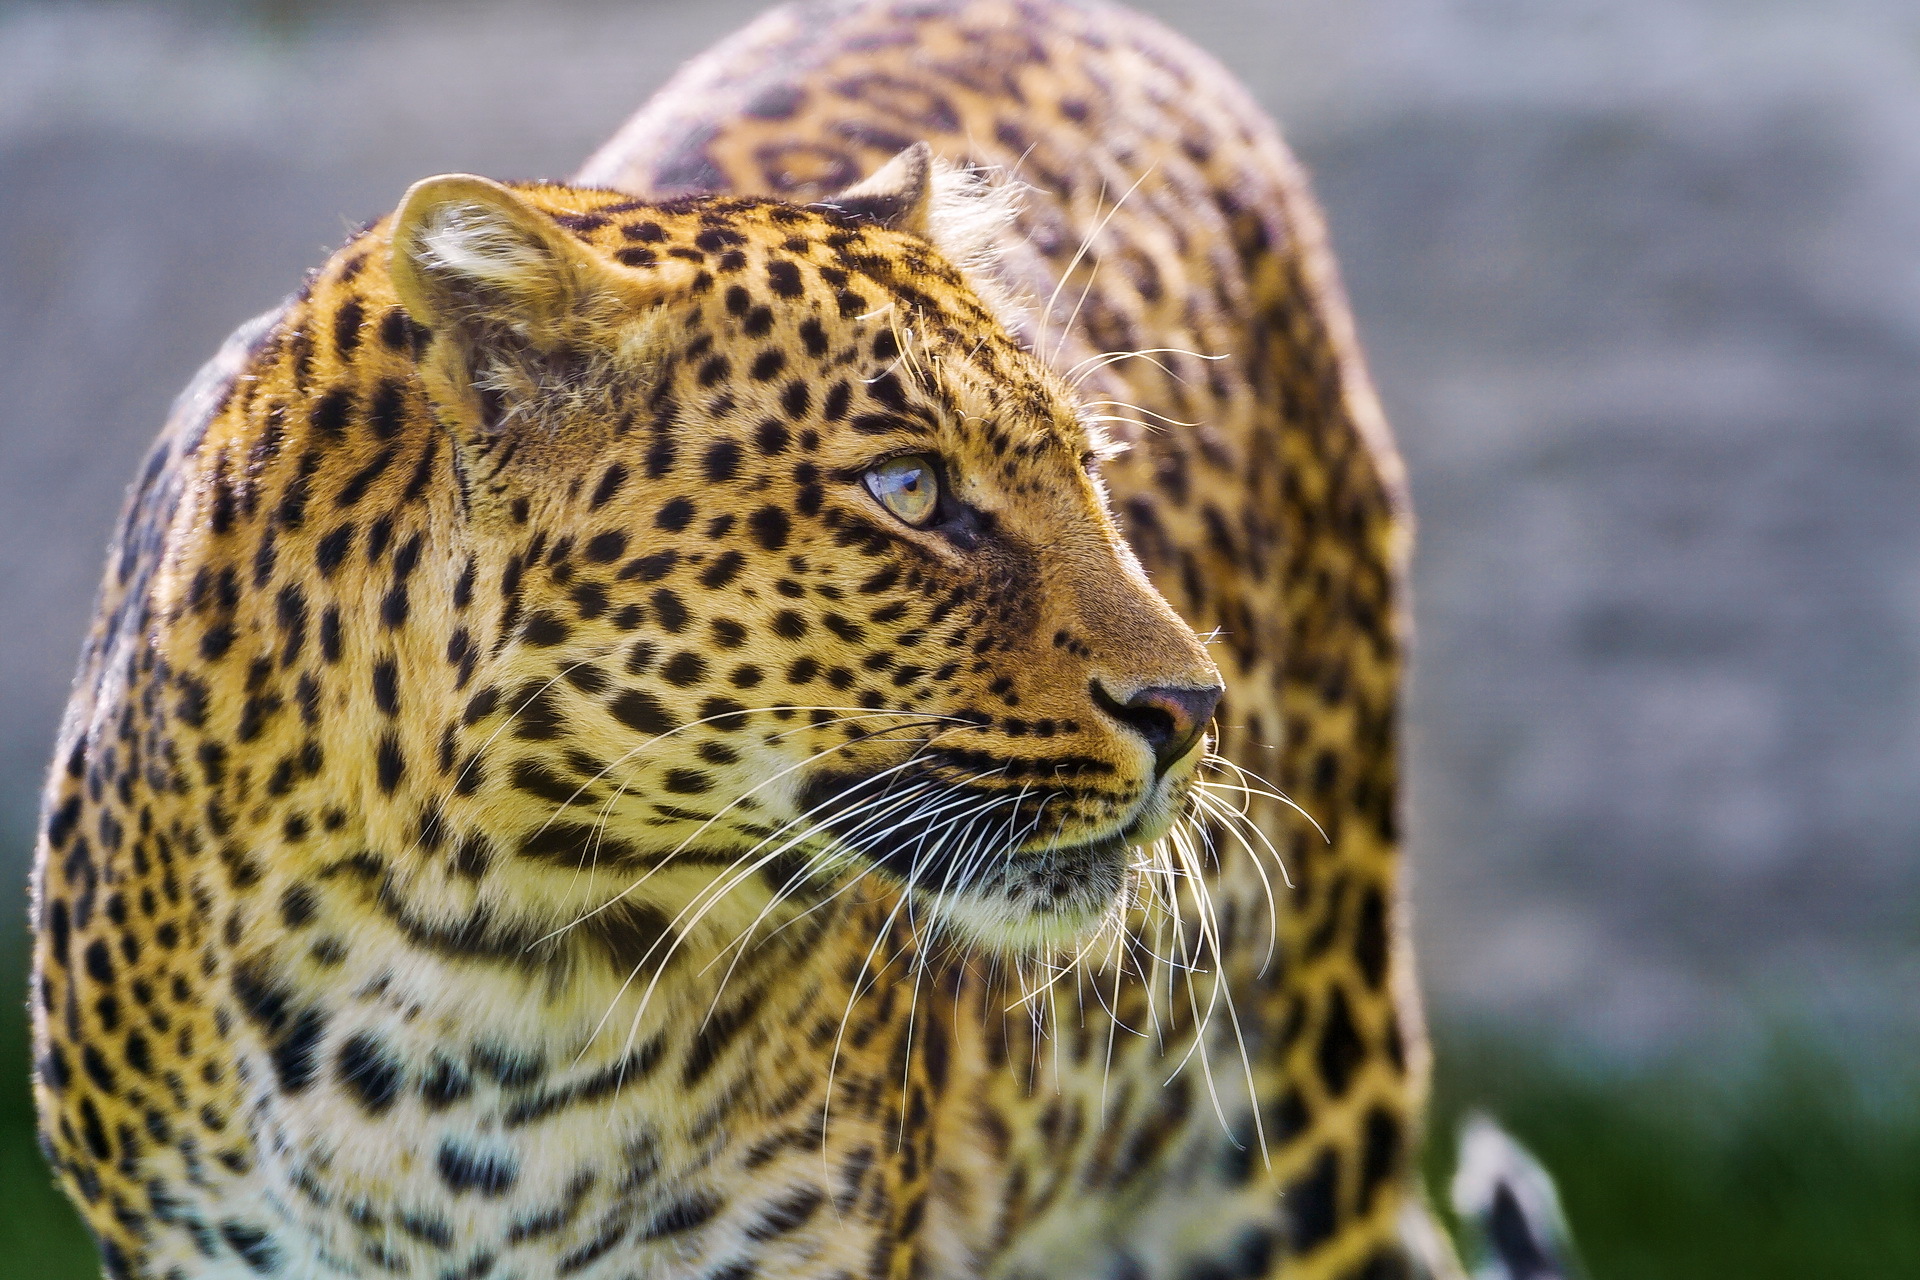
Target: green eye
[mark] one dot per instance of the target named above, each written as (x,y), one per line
(909,487)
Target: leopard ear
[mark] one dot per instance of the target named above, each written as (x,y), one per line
(529,325)
(898,195)
(474,259)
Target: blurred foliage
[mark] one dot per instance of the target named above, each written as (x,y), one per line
(40,1235)
(1798,1163)
(1800,1167)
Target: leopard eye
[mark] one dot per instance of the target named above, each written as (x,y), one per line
(908,486)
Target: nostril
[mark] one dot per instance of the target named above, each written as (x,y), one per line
(1170,719)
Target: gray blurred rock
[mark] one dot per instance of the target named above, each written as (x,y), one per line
(1641,285)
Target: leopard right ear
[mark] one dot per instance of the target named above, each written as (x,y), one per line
(898,195)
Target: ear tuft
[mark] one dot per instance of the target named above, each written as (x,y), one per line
(897,195)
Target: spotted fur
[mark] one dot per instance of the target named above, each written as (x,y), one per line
(527,809)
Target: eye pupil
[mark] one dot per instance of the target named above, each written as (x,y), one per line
(907,487)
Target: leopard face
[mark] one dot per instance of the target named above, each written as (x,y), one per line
(811,577)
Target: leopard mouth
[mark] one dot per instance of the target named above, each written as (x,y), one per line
(979,862)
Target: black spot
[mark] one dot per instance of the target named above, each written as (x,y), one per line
(367,1071)
(1311,1204)
(360,481)
(643,713)
(480,706)
(97,1070)
(1370,938)
(688,782)
(536,779)
(650,568)
(386,687)
(610,485)
(1287,1117)
(837,401)
(589,600)
(99,961)
(789,1213)
(93,1131)
(394,607)
(293,1055)
(216,642)
(536,713)
(784,276)
(684,668)
(1380,1156)
(1340,1049)
(675,515)
(330,634)
(255,1247)
(545,629)
(683,1214)
(770,527)
(139,1053)
(491,1174)
(669,612)
(329,415)
(332,549)
(722,571)
(445,1083)
(396,330)
(297,906)
(389,763)
(661,455)
(603,548)
(387,414)
(346,326)
(815,338)
(771,437)
(722,461)
(767,365)
(428,1230)
(602,1244)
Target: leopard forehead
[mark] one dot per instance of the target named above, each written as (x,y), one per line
(747,327)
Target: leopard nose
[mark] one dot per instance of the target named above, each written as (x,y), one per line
(1171,719)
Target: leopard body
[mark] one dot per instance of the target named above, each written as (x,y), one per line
(468,852)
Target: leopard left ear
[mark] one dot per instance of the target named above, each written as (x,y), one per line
(898,195)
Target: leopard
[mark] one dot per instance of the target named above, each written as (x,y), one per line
(821,699)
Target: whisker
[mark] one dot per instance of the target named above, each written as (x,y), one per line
(1086,243)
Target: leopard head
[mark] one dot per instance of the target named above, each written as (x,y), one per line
(808,576)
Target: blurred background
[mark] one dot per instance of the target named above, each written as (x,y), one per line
(1640,281)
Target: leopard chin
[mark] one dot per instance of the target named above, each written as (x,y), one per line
(1048,899)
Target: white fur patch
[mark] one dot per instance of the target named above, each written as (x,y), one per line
(966,218)
(472,242)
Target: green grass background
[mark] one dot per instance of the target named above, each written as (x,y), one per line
(1793,1165)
